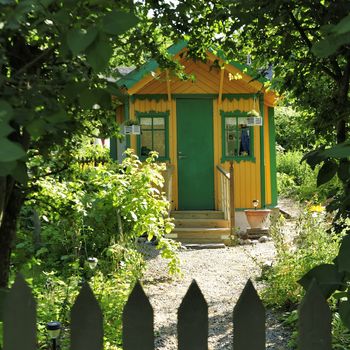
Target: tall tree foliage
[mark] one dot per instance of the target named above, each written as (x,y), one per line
(306,42)
(52,56)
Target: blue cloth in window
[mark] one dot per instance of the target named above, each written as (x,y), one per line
(245,142)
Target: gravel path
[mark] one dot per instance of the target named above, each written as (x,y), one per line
(221,275)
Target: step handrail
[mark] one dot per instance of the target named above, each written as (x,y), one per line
(225,191)
(227,194)
(223,171)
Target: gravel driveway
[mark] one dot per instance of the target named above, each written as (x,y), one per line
(221,275)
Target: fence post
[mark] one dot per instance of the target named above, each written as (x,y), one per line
(20,317)
(86,322)
(138,321)
(249,321)
(315,321)
(192,324)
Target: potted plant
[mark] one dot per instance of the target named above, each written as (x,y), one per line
(254,113)
(254,118)
(257,218)
(132,127)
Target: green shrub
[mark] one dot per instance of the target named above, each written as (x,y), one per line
(295,179)
(55,295)
(91,211)
(313,244)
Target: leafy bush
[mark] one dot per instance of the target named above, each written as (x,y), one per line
(294,129)
(55,295)
(297,180)
(87,211)
(313,244)
(85,215)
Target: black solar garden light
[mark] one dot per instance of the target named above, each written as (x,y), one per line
(53,329)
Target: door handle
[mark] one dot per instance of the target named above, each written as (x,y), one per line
(181,156)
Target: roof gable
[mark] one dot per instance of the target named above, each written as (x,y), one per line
(150,79)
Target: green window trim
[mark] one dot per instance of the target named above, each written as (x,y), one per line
(153,115)
(236,114)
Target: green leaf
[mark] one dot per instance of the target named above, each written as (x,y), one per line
(327,172)
(343,26)
(9,150)
(87,99)
(5,129)
(36,127)
(104,98)
(6,168)
(344,312)
(98,55)
(20,172)
(344,171)
(342,150)
(117,22)
(313,158)
(329,45)
(344,256)
(328,278)
(58,117)
(6,111)
(79,40)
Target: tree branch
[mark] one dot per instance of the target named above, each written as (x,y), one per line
(308,43)
(35,60)
(300,30)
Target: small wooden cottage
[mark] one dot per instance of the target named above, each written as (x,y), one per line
(199,126)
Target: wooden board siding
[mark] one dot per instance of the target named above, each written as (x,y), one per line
(247,174)
(207,82)
(161,105)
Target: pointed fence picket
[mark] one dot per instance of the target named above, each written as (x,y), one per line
(19,321)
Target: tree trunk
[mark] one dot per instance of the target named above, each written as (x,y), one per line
(8,231)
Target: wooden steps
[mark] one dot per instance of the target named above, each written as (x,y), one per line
(200,227)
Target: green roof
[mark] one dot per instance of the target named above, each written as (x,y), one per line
(138,74)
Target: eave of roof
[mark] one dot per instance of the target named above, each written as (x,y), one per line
(134,77)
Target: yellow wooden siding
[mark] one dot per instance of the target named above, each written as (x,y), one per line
(268,191)
(246,173)
(160,106)
(156,86)
(207,81)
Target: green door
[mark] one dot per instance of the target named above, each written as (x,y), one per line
(195,154)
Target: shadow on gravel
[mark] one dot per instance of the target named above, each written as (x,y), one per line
(220,333)
(221,328)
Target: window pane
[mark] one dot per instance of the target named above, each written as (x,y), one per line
(230,121)
(244,141)
(158,123)
(146,142)
(159,142)
(230,139)
(146,123)
(242,121)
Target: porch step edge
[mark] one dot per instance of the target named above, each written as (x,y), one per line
(205,223)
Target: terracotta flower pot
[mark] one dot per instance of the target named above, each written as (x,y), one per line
(257,217)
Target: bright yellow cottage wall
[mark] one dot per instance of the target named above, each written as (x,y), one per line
(247,173)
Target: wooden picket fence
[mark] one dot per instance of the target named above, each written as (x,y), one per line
(19,321)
